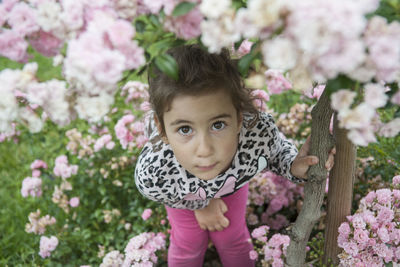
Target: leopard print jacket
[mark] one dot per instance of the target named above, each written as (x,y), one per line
(160,177)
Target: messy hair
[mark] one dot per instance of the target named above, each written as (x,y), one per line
(200,73)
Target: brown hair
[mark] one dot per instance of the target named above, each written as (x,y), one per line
(199,72)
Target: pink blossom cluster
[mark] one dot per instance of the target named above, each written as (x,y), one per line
(82,146)
(136,93)
(146,214)
(63,169)
(244,48)
(113,259)
(260,99)
(104,141)
(135,90)
(36,165)
(47,245)
(276,192)
(371,237)
(24,94)
(13,88)
(274,249)
(290,124)
(129,132)
(37,224)
(11,134)
(52,97)
(31,186)
(276,82)
(141,249)
(186,26)
(100,47)
(18,21)
(316,92)
(60,198)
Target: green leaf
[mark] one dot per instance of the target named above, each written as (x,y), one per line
(245,62)
(167,64)
(140,26)
(183,8)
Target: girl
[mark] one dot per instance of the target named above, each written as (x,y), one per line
(206,140)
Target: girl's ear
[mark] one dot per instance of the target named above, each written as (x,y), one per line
(160,130)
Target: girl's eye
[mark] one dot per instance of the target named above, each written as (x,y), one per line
(219,125)
(185,130)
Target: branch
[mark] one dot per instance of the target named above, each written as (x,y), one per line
(314,189)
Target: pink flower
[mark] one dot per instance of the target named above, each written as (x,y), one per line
(63,169)
(396,98)
(47,245)
(260,232)
(370,197)
(276,82)
(104,141)
(186,26)
(36,173)
(45,43)
(396,180)
(260,98)
(31,186)
(22,19)
(253,255)
(316,91)
(74,202)
(38,164)
(244,48)
(13,46)
(375,95)
(385,214)
(384,196)
(361,236)
(120,33)
(146,214)
(61,160)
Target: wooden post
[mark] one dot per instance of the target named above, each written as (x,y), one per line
(340,192)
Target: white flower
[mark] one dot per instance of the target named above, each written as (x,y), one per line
(93,108)
(279,53)
(375,95)
(214,8)
(359,117)
(342,99)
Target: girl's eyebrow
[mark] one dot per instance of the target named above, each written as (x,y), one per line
(220,116)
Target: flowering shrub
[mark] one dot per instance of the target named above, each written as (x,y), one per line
(371,237)
(273,249)
(140,251)
(274,194)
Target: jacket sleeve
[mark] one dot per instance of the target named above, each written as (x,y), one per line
(282,152)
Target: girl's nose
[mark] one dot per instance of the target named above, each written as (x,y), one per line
(205,147)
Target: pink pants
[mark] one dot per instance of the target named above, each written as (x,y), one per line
(188,242)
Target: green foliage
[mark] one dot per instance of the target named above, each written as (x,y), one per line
(390,9)
(167,64)
(183,8)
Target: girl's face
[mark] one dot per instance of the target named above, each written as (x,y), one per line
(203,132)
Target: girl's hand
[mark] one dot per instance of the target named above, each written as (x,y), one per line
(212,217)
(303,161)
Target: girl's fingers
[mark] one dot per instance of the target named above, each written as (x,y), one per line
(225,222)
